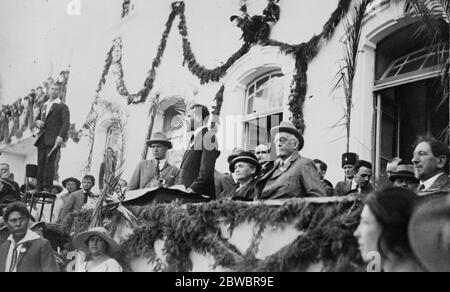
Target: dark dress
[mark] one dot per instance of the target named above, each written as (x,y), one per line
(246,193)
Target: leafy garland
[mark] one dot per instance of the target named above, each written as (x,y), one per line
(327,234)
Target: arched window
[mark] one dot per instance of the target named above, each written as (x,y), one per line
(114,139)
(263,108)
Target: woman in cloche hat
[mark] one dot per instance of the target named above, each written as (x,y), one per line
(100,247)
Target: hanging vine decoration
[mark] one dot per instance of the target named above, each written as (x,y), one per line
(257,32)
(326,234)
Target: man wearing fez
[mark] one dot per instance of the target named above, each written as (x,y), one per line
(361,182)
(348,165)
(431,164)
(293,176)
(199,161)
(262,153)
(156,172)
(246,169)
(53,124)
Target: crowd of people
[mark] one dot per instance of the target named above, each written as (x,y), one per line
(253,176)
(21,115)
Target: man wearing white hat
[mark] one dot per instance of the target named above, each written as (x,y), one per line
(293,176)
(155,172)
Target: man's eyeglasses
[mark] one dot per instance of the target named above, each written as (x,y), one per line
(262,152)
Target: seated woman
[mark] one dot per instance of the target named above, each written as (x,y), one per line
(100,247)
(383,230)
(246,169)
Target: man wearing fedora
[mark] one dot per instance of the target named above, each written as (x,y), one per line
(156,172)
(24,250)
(293,176)
(53,123)
(431,165)
(199,161)
(404,177)
(246,169)
(349,160)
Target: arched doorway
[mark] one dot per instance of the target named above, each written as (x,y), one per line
(410,101)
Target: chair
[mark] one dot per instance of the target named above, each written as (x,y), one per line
(34,198)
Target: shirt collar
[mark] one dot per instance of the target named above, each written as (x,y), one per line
(57,101)
(30,236)
(429,182)
(162,162)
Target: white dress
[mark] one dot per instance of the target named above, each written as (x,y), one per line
(110,265)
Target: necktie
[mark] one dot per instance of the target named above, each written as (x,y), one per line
(86,196)
(13,259)
(158,171)
(421,188)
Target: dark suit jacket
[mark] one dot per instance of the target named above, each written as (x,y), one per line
(57,124)
(343,188)
(299,180)
(247,193)
(328,186)
(39,257)
(198,165)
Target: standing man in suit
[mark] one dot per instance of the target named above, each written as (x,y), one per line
(53,124)
(156,172)
(80,198)
(262,153)
(361,182)
(24,250)
(348,165)
(431,164)
(322,168)
(293,176)
(197,167)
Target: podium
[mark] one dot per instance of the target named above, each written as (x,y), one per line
(149,197)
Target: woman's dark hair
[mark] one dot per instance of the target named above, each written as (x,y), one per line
(393,208)
(16,207)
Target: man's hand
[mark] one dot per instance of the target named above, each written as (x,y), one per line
(59,141)
(40,124)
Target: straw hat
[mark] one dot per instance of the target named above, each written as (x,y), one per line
(429,234)
(80,240)
(404,171)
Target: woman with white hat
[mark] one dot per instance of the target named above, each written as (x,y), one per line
(100,247)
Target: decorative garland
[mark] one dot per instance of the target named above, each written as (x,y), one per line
(327,234)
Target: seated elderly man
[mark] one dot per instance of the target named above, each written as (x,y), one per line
(293,176)
(245,168)
(156,172)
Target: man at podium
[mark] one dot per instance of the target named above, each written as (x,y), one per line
(156,172)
